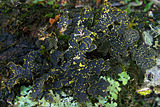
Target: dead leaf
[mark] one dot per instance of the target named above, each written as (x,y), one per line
(98,2)
(57,17)
(51,21)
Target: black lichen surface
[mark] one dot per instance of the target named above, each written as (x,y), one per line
(144,56)
(118,46)
(87,16)
(111,24)
(32,61)
(55,56)
(121,43)
(111,18)
(83,16)
(131,36)
(76,73)
(23,73)
(98,88)
(69,68)
(64,21)
(80,73)
(38,87)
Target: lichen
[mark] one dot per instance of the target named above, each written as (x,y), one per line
(148,39)
(152,75)
(50,99)
(144,56)
(72,69)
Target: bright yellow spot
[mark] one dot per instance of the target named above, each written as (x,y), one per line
(92,39)
(76,57)
(70,82)
(144,91)
(16,82)
(74,63)
(156,90)
(81,65)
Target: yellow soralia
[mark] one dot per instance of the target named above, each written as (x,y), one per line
(144,91)
(81,65)
(70,82)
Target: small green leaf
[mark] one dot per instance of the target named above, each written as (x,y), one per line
(112,104)
(49,15)
(50,2)
(114,95)
(36,1)
(124,77)
(138,2)
(148,6)
(126,1)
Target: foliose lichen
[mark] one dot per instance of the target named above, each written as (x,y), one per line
(71,69)
(152,75)
(144,56)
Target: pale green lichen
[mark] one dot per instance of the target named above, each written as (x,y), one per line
(155,30)
(149,35)
(148,39)
(25,101)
